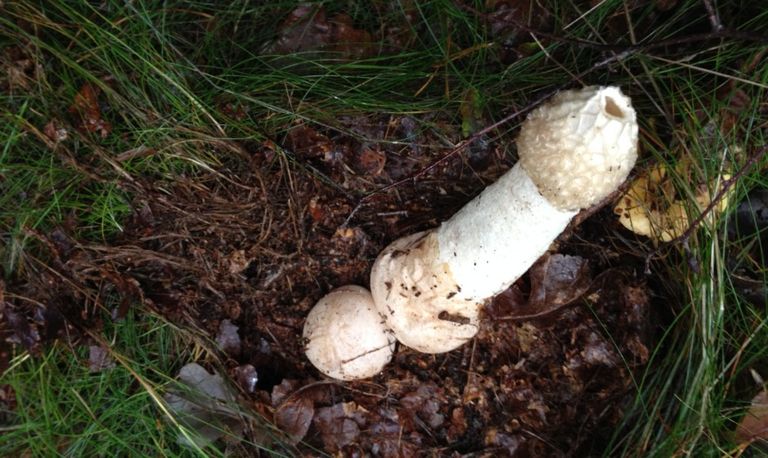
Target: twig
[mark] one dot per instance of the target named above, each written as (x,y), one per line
(726,185)
(714,17)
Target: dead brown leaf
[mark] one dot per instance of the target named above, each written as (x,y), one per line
(307,143)
(371,161)
(294,416)
(754,425)
(308,28)
(99,359)
(21,70)
(557,280)
(339,425)
(228,339)
(55,132)
(85,109)
(425,402)
(247,377)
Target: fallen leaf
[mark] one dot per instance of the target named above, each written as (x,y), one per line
(99,359)
(425,401)
(199,404)
(371,161)
(557,280)
(228,339)
(247,377)
(21,70)
(294,416)
(85,108)
(307,143)
(307,28)
(649,207)
(754,425)
(339,425)
(281,391)
(54,132)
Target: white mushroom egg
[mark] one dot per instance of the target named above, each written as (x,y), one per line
(345,335)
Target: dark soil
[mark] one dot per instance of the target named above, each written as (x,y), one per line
(259,241)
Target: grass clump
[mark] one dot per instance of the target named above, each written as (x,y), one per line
(68,403)
(700,378)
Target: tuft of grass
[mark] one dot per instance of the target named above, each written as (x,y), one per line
(64,408)
(698,383)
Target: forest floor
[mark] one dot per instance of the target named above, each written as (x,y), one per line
(221,207)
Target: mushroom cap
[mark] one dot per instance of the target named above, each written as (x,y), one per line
(345,335)
(418,297)
(580,146)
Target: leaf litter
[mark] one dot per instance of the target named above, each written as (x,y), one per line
(753,427)
(244,253)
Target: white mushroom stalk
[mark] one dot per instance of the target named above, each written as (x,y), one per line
(345,335)
(574,151)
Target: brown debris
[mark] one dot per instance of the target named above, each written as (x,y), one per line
(18,69)
(55,132)
(87,112)
(294,416)
(339,425)
(255,245)
(308,28)
(99,359)
(228,339)
(754,425)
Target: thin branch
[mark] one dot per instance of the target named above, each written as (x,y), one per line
(713,15)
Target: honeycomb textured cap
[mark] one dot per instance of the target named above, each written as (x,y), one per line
(580,146)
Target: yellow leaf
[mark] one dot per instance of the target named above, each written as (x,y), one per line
(647,208)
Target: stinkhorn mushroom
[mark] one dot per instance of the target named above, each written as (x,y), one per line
(345,337)
(574,151)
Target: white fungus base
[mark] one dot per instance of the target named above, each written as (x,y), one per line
(417,296)
(495,238)
(345,335)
